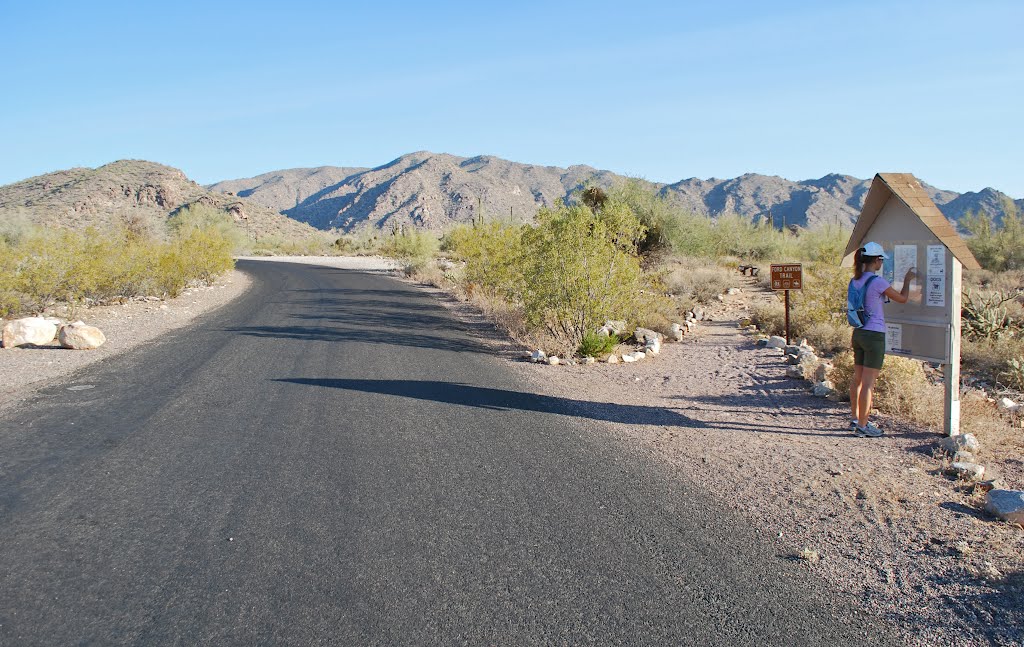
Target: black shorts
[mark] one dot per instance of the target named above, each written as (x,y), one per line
(868,348)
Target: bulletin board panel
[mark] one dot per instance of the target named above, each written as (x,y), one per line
(921,327)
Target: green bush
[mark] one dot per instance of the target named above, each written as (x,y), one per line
(595,345)
(414,246)
(997,248)
(48,266)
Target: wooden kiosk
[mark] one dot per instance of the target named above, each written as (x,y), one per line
(900,216)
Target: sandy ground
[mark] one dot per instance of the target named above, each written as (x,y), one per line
(884,520)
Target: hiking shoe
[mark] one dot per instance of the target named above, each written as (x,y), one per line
(869,430)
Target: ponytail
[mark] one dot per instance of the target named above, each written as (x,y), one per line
(858,264)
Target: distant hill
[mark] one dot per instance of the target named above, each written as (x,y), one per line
(132,190)
(432,191)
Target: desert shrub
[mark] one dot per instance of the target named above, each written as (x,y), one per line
(595,345)
(997,247)
(991,358)
(582,269)
(985,315)
(1013,372)
(827,338)
(902,389)
(697,279)
(202,217)
(412,245)
(50,266)
(493,253)
(770,317)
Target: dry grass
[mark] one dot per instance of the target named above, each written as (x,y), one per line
(902,389)
(698,279)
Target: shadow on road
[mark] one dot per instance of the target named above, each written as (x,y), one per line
(504,400)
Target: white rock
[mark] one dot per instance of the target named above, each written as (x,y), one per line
(971,471)
(960,443)
(604,331)
(823,389)
(616,327)
(1006,404)
(553,361)
(589,360)
(653,346)
(644,335)
(628,358)
(639,354)
(733,291)
(79,336)
(821,372)
(612,359)
(30,330)
(1008,505)
(776,342)
(676,332)
(539,356)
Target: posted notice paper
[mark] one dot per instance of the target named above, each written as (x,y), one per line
(935,279)
(894,338)
(904,258)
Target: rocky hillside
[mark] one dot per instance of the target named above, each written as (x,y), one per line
(434,190)
(142,192)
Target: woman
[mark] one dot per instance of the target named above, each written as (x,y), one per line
(869,341)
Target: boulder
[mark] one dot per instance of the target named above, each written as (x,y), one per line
(612,359)
(80,336)
(1008,505)
(603,331)
(615,326)
(676,332)
(553,361)
(628,358)
(689,316)
(1006,404)
(762,342)
(653,347)
(644,335)
(823,389)
(960,443)
(589,360)
(821,372)
(776,342)
(698,314)
(969,471)
(539,356)
(30,330)
(795,372)
(733,291)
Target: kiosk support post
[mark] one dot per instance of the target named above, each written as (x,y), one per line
(787,318)
(951,371)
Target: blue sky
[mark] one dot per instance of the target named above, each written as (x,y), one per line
(664,91)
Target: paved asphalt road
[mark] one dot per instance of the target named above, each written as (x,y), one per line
(332,460)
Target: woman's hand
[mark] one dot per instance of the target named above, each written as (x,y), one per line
(911,275)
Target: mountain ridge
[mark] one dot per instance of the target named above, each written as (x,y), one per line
(435,190)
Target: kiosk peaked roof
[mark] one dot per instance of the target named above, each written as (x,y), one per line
(908,189)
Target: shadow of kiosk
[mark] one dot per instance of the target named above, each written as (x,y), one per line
(899,215)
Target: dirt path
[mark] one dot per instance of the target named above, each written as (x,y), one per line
(885,522)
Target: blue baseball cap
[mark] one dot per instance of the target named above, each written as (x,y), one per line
(874,249)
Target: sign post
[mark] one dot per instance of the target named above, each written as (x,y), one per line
(789,276)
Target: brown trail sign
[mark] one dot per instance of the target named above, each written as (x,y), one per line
(788,276)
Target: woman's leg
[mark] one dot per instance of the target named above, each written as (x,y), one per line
(858,375)
(867,386)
